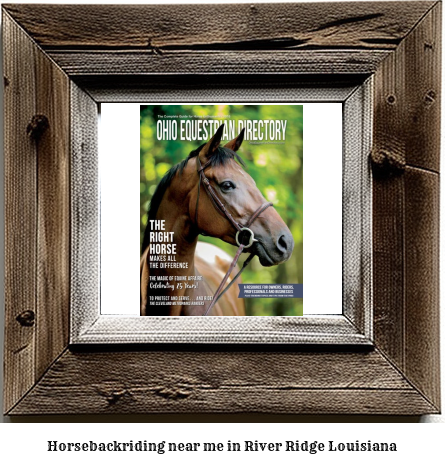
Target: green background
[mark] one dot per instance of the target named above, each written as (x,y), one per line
(276,168)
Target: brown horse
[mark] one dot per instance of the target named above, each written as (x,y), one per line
(188,211)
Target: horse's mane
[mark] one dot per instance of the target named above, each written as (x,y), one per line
(219,157)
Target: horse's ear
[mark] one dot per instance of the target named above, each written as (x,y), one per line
(235,144)
(209,149)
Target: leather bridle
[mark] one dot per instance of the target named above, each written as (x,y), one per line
(240,229)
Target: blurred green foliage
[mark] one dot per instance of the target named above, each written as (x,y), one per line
(276,168)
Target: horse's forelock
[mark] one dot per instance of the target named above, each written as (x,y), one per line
(219,157)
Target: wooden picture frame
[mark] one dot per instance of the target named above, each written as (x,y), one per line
(382,359)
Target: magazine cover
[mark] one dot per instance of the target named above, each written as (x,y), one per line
(221,190)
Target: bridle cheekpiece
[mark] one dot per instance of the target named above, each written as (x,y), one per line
(240,233)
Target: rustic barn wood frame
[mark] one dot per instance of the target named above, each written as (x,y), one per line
(90,323)
(57,69)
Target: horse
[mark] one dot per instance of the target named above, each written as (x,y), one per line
(187,209)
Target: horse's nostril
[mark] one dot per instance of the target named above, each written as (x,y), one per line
(282,244)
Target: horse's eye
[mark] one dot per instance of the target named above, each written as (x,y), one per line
(227,186)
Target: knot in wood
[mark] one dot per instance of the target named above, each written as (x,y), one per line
(26,318)
(114,397)
(387,163)
(112,394)
(173,393)
(37,126)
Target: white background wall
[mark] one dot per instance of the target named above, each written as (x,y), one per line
(28,442)
(119,168)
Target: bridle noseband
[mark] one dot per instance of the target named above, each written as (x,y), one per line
(240,233)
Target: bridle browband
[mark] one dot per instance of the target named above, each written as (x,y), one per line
(240,229)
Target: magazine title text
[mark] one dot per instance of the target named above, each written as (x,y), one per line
(199,129)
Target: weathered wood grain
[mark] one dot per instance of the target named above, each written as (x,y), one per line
(422,325)
(357,209)
(37,217)
(20,213)
(274,88)
(242,27)
(388,201)
(106,329)
(407,117)
(388,268)
(79,63)
(406,135)
(398,42)
(53,222)
(389,157)
(85,212)
(164,39)
(423,91)
(222,382)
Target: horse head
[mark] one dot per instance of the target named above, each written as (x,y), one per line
(238,192)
